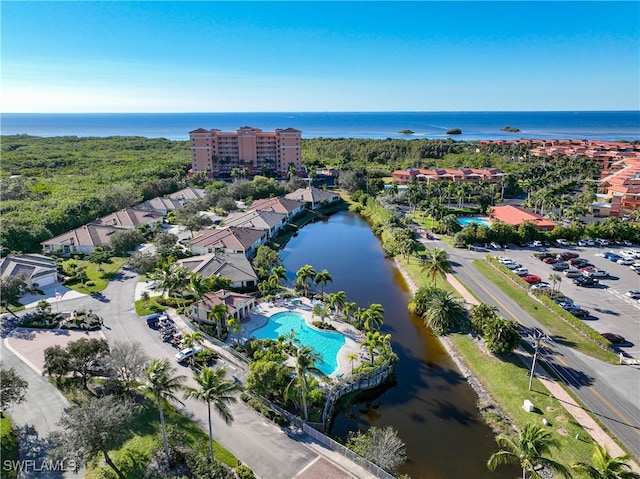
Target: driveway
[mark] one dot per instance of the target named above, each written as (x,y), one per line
(266,448)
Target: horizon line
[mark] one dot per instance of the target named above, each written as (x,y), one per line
(307,111)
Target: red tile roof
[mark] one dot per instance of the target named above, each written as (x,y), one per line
(515,215)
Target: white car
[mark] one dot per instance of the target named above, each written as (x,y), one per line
(602,242)
(512,265)
(573,273)
(541,285)
(186,353)
(521,271)
(563,242)
(596,274)
(635,267)
(504,259)
(633,294)
(626,261)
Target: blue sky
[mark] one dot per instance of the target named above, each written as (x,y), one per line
(319,56)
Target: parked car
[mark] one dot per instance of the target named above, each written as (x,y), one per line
(186,353)
(577,261)
(512,265)
(541,285)
(586,281)
(504,259)
(602,242)
(563,299)
(563,242)
(543,256)
(567,305)
(598,273)
(578,312)
(626,261)
(614,338)
(521,271)
(551,260)
(154,319)
(573,273)
(568,255)
(587,267)
(635,267)
(537,244)
(634,293)
(560,266)
(532,278)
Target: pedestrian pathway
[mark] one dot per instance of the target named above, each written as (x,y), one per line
(572,407)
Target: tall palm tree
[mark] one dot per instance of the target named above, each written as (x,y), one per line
(322,278)
(603,466)
(443,311)
(305,274)
(349,308)
(530,450)
(277,274)
(555,278)
(352,357)
(162,383)
(198,286)
(219,313)
(437,264)
(306,360)
(337,301)
(373,317)
(375,341)
(216,391)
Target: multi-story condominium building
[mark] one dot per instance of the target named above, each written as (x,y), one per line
(217,153)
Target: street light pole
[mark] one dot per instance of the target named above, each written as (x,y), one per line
(538,336)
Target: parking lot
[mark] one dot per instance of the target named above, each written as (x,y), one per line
(610,309)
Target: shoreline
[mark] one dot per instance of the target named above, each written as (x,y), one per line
(485,401)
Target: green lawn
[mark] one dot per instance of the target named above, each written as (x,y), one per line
(134,455)
(150,306)
(8,446)
(507,381)
(100,278)
(551,321)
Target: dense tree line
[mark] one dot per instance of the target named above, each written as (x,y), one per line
(52,185)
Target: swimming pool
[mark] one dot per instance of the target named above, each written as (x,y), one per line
(325,343)
(465,221)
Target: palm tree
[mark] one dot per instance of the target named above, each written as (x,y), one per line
(290,337)
(555,278)
(529,451)
(321,310)
(219,313)
(373,317)
(349,308)
(603,466)
(216,391)
(234,325)
(306,359)
(337,301)
(323,277)
(444,311)
(303,276)
(192,339)
(277,274)
(437,264)
(373,341)
(198,286)
(352,357)
(162,383)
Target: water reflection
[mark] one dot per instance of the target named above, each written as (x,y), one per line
(431,405)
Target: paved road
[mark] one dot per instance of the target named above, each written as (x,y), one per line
(34,419)
(612,393)
(267,449)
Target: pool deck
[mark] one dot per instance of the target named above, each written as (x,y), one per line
(353,337)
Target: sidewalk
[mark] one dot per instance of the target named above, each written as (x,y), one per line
(578,413)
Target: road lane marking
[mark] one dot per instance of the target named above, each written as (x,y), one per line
(558,358)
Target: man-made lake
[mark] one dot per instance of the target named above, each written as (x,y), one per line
(432,406)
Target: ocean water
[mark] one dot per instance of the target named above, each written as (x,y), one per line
(600,125)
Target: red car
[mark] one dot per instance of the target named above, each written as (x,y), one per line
(532,278)
(568,255)
(550,260)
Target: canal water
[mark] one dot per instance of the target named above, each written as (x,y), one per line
(431,406)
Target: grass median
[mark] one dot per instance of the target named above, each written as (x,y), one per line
(551,321)
(507,381)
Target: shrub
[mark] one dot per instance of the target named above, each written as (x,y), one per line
(243,472)
(88,284)
(323,325)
